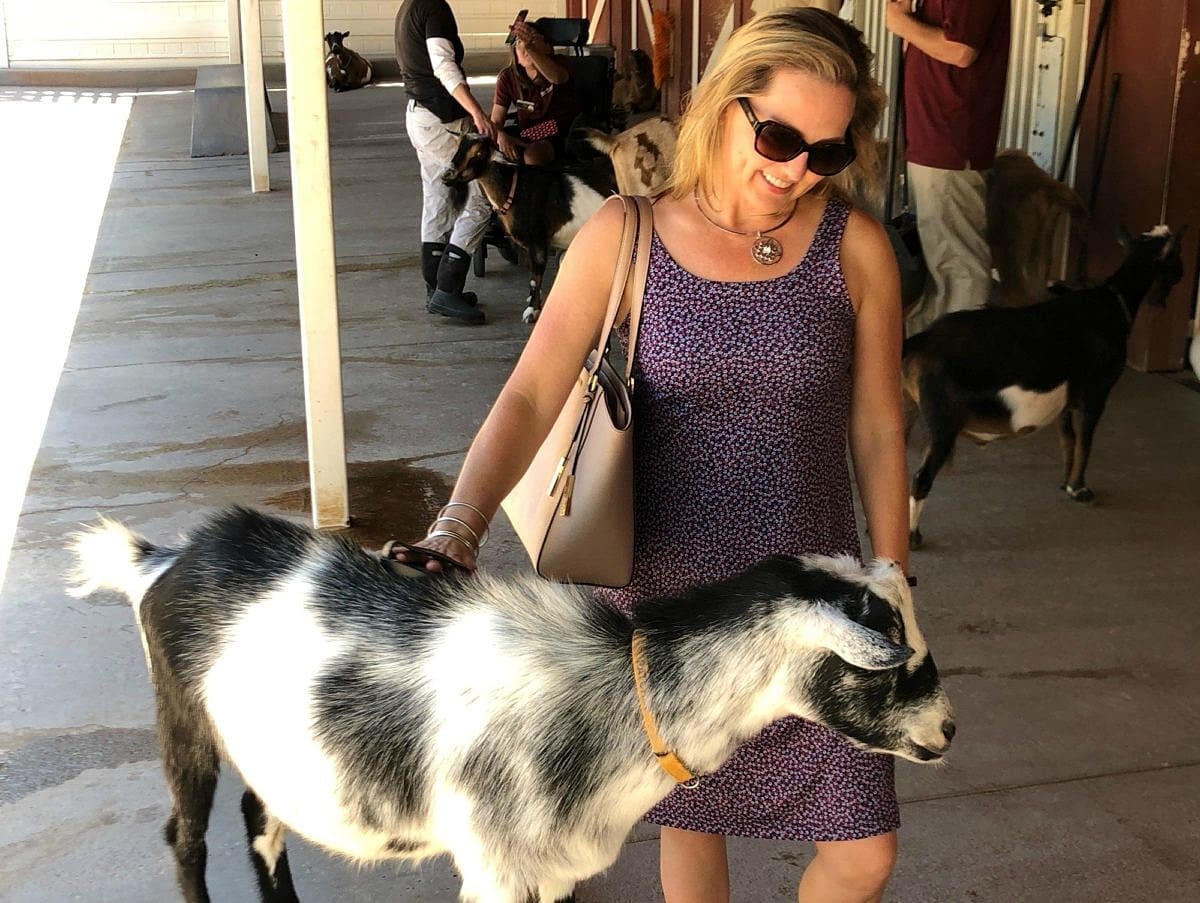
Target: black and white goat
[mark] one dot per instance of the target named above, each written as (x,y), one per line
(540,207)
(994,373)
(345,69)
(384,716)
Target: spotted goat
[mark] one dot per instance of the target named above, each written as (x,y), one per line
(540,207)
(385,716)
(993,373)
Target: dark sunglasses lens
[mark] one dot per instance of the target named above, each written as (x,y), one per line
(781,144)
(830,159)
(777,142)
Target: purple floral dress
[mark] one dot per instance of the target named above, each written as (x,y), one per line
(742,403)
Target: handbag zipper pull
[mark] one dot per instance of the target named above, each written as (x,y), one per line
(564,504)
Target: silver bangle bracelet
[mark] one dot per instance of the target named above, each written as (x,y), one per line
(449,534)
(470,507)
(469,528)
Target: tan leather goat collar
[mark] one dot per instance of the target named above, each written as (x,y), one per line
(667,760)
(512,193)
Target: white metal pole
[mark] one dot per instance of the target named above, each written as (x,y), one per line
(256,102)
(233,17)
(316,269)
(695,42)
(3,39)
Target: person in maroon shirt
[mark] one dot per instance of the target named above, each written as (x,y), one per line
(955,67)
(538,81)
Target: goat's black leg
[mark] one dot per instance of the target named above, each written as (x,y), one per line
(1090,416)
(268,855)
(1066,443)
(191,766)
(943,423)
(537,269)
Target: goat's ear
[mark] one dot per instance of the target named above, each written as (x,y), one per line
(345,34)
(858,645)
(1124,238)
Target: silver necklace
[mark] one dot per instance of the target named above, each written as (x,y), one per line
(766,248)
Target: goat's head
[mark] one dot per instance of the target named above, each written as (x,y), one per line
(471,159)
(1154,259)
(334,40)
(874,680)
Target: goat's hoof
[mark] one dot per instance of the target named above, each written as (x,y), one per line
(1082,494)
(530,315)
(915,539)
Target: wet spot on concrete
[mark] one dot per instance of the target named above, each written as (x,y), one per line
(388,500)
(49,760)
(129,401)
(961,672)
(1084,673)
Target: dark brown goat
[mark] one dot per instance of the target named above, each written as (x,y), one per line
(540,207)
(345,70)
(993,373)
(1025,207)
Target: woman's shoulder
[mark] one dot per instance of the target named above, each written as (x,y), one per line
(601,232)
(868,260)
(864,239)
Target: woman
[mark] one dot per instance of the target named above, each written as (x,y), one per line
(770,334)
(538,81)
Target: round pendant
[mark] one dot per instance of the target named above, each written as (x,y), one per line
(766,250)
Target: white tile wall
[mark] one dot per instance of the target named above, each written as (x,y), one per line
(133,33)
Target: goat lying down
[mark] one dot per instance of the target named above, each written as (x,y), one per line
(540,207)
(494,720)
(345,69)
(992,373)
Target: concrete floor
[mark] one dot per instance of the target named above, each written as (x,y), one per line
(1066,634)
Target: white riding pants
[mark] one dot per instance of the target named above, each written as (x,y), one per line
(435,145)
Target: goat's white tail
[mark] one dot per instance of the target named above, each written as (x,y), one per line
(108,555)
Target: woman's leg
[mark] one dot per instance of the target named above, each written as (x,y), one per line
(849,871)
(693,867)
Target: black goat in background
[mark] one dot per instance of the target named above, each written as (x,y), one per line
(993,373)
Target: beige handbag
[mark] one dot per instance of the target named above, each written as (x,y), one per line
(573,508)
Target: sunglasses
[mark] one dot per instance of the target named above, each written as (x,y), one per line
(781,143)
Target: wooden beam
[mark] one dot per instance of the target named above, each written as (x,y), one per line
(256,96)
(234,18)
(316,268)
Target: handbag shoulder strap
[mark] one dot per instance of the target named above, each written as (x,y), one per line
(635,285)
(620,280)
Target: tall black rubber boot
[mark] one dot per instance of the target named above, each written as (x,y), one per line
(431,259)
(447,299)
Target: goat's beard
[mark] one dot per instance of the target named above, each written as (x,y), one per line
(458,195)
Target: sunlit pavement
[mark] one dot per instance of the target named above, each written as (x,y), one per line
(57,157)
(1066,634)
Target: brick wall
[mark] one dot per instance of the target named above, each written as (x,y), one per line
(156,33)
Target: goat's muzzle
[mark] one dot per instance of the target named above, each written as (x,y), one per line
(932,752)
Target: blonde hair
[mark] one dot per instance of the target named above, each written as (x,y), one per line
(805,39)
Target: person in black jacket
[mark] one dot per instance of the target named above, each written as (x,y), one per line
(440,104)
